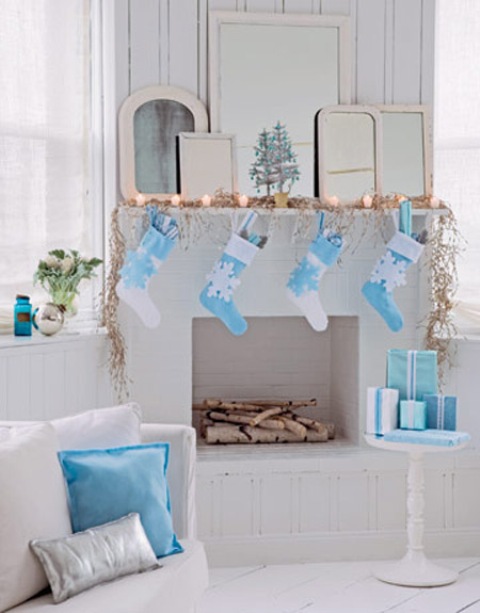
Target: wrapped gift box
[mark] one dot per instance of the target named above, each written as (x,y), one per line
(413,415)
(441,412)
(382,410)
(413,373)
(442,438)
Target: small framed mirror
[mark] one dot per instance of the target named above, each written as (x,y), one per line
(150,121)
(265,68)
(406,150)
(207,163)
(348,157)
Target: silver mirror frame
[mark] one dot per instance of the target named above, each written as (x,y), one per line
(126,139)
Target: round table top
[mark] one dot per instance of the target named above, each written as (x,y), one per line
(380,443)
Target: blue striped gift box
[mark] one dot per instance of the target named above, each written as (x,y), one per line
(413,415)
(441,412)
(382,410)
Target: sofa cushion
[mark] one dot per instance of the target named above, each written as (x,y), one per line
(174,588)
(33,504)
(100,428)
(78,562)
(106,484)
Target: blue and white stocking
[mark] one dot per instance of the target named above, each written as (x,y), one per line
(389,273)
(302,287)
(143,263)
(224,279)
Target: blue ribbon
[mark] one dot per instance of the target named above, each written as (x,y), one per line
(378,410)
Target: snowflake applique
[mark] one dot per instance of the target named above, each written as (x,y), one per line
(222,281)
(305,278)
(390,272)
(139,267)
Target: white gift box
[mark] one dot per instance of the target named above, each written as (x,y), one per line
(382,410)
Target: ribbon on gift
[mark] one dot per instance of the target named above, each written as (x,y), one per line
(411,374)
(441,413)
(378,409)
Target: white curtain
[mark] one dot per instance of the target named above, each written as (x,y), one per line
(44,135)
(457,139)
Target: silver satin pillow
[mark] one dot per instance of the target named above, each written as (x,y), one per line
(77,562)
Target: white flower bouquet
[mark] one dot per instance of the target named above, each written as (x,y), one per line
(60,274)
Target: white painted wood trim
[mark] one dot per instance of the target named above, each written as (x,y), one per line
(126,136)
(333,547)
(320,121)
(217,18)
(427,135)
(184,137)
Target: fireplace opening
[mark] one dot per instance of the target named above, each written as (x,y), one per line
(278,359)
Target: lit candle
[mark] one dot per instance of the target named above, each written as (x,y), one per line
(175,200)
(333,200)
(206,200)
(434,202)
(140,199)
(367,201)
(243,200)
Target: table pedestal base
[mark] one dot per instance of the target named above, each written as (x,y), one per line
(416,571)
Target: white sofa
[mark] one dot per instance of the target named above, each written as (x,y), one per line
(179,584)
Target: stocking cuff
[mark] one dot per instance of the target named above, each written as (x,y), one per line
(405,246)
(241,249)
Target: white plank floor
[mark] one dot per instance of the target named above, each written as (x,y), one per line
(341,587)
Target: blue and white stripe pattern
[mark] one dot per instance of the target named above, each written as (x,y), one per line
(413,415)
(441,411)
(382,410)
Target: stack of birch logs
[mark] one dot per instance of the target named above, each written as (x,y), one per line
(260,421)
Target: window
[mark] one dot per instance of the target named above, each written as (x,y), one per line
(457,139)
(46,124)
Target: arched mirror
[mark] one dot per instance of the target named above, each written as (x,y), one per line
(150,121)
(348,162)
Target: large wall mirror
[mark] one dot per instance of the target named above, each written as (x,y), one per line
(406,150)
(348,152)
(150,121)
(265,68)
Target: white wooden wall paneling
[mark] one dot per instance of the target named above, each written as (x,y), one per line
(183,49)
(370,36)
(301,6)
(389,51)
(149,41)
(407,51)
(428,51)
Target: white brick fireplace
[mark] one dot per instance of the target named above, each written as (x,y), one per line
(293,502)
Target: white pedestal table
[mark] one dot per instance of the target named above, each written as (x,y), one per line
(414,569)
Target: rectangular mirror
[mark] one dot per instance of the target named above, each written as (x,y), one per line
(406,150)
(207,163)
(348,153)
(265,68)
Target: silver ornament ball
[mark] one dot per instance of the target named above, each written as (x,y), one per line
(48,318)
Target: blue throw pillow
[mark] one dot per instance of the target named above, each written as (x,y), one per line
(106,484)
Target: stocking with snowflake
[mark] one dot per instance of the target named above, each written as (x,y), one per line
(302,287)
(224,279)
(389,273)
(142,264)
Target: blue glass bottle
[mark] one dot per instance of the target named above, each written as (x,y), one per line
(22,316)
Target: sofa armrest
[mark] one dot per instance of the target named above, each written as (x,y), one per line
(180,472)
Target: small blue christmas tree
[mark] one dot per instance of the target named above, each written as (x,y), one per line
(275,162)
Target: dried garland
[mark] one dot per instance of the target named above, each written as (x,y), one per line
(444,244)
(193,224)
(118,352)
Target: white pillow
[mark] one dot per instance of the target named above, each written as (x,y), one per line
(100,428)
(33,504)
